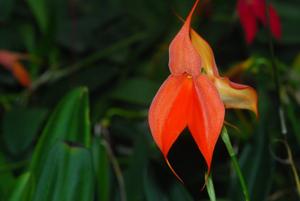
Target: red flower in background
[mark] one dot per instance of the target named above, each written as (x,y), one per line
(11,61)
(251,10)
(194,96)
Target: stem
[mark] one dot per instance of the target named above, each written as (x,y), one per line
(210,188)
(283,127)
(294,169)
(115,165)
(290,161)
(236,166)
(53,75)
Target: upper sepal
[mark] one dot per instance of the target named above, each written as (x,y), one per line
(183,58)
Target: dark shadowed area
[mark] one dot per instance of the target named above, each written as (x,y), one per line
(74,105)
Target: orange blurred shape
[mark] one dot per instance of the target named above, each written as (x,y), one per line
(11,61)
(237,69)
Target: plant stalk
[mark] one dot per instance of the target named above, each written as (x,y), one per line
(236,166)
(210,188)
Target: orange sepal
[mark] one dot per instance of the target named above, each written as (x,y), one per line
(206,116)
(7,58)
(18,70)
(183,58)
(10,61)
(233,95)
(183,101)
(168,111)
(237,96)
(205,53)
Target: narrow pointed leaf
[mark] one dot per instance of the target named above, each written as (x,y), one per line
(69,122)
(40,12)
(135,172)
(20,186)
(101,169)
(6,175)
(67,174)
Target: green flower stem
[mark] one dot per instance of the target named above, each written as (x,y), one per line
(281,112)
(115,164)
(210,188)
(53,75)
(236,166)
(276,76)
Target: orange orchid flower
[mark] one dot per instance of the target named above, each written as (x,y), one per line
(11,61)
(194,96)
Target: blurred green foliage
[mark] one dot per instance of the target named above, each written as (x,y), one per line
(81,133)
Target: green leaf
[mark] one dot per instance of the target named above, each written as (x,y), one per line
(256,162)
(102,169)
(152,189)
(179,193)
(28,35)
(135,172)
(67,175)
(69,121)
(136,90)
(7,179)
(20,186)
(20,127)
(59,171)
(40,11)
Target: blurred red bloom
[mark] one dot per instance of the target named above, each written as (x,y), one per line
(11,61)
(250,10)
(194,96)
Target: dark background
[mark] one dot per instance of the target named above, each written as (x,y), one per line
(118,49)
